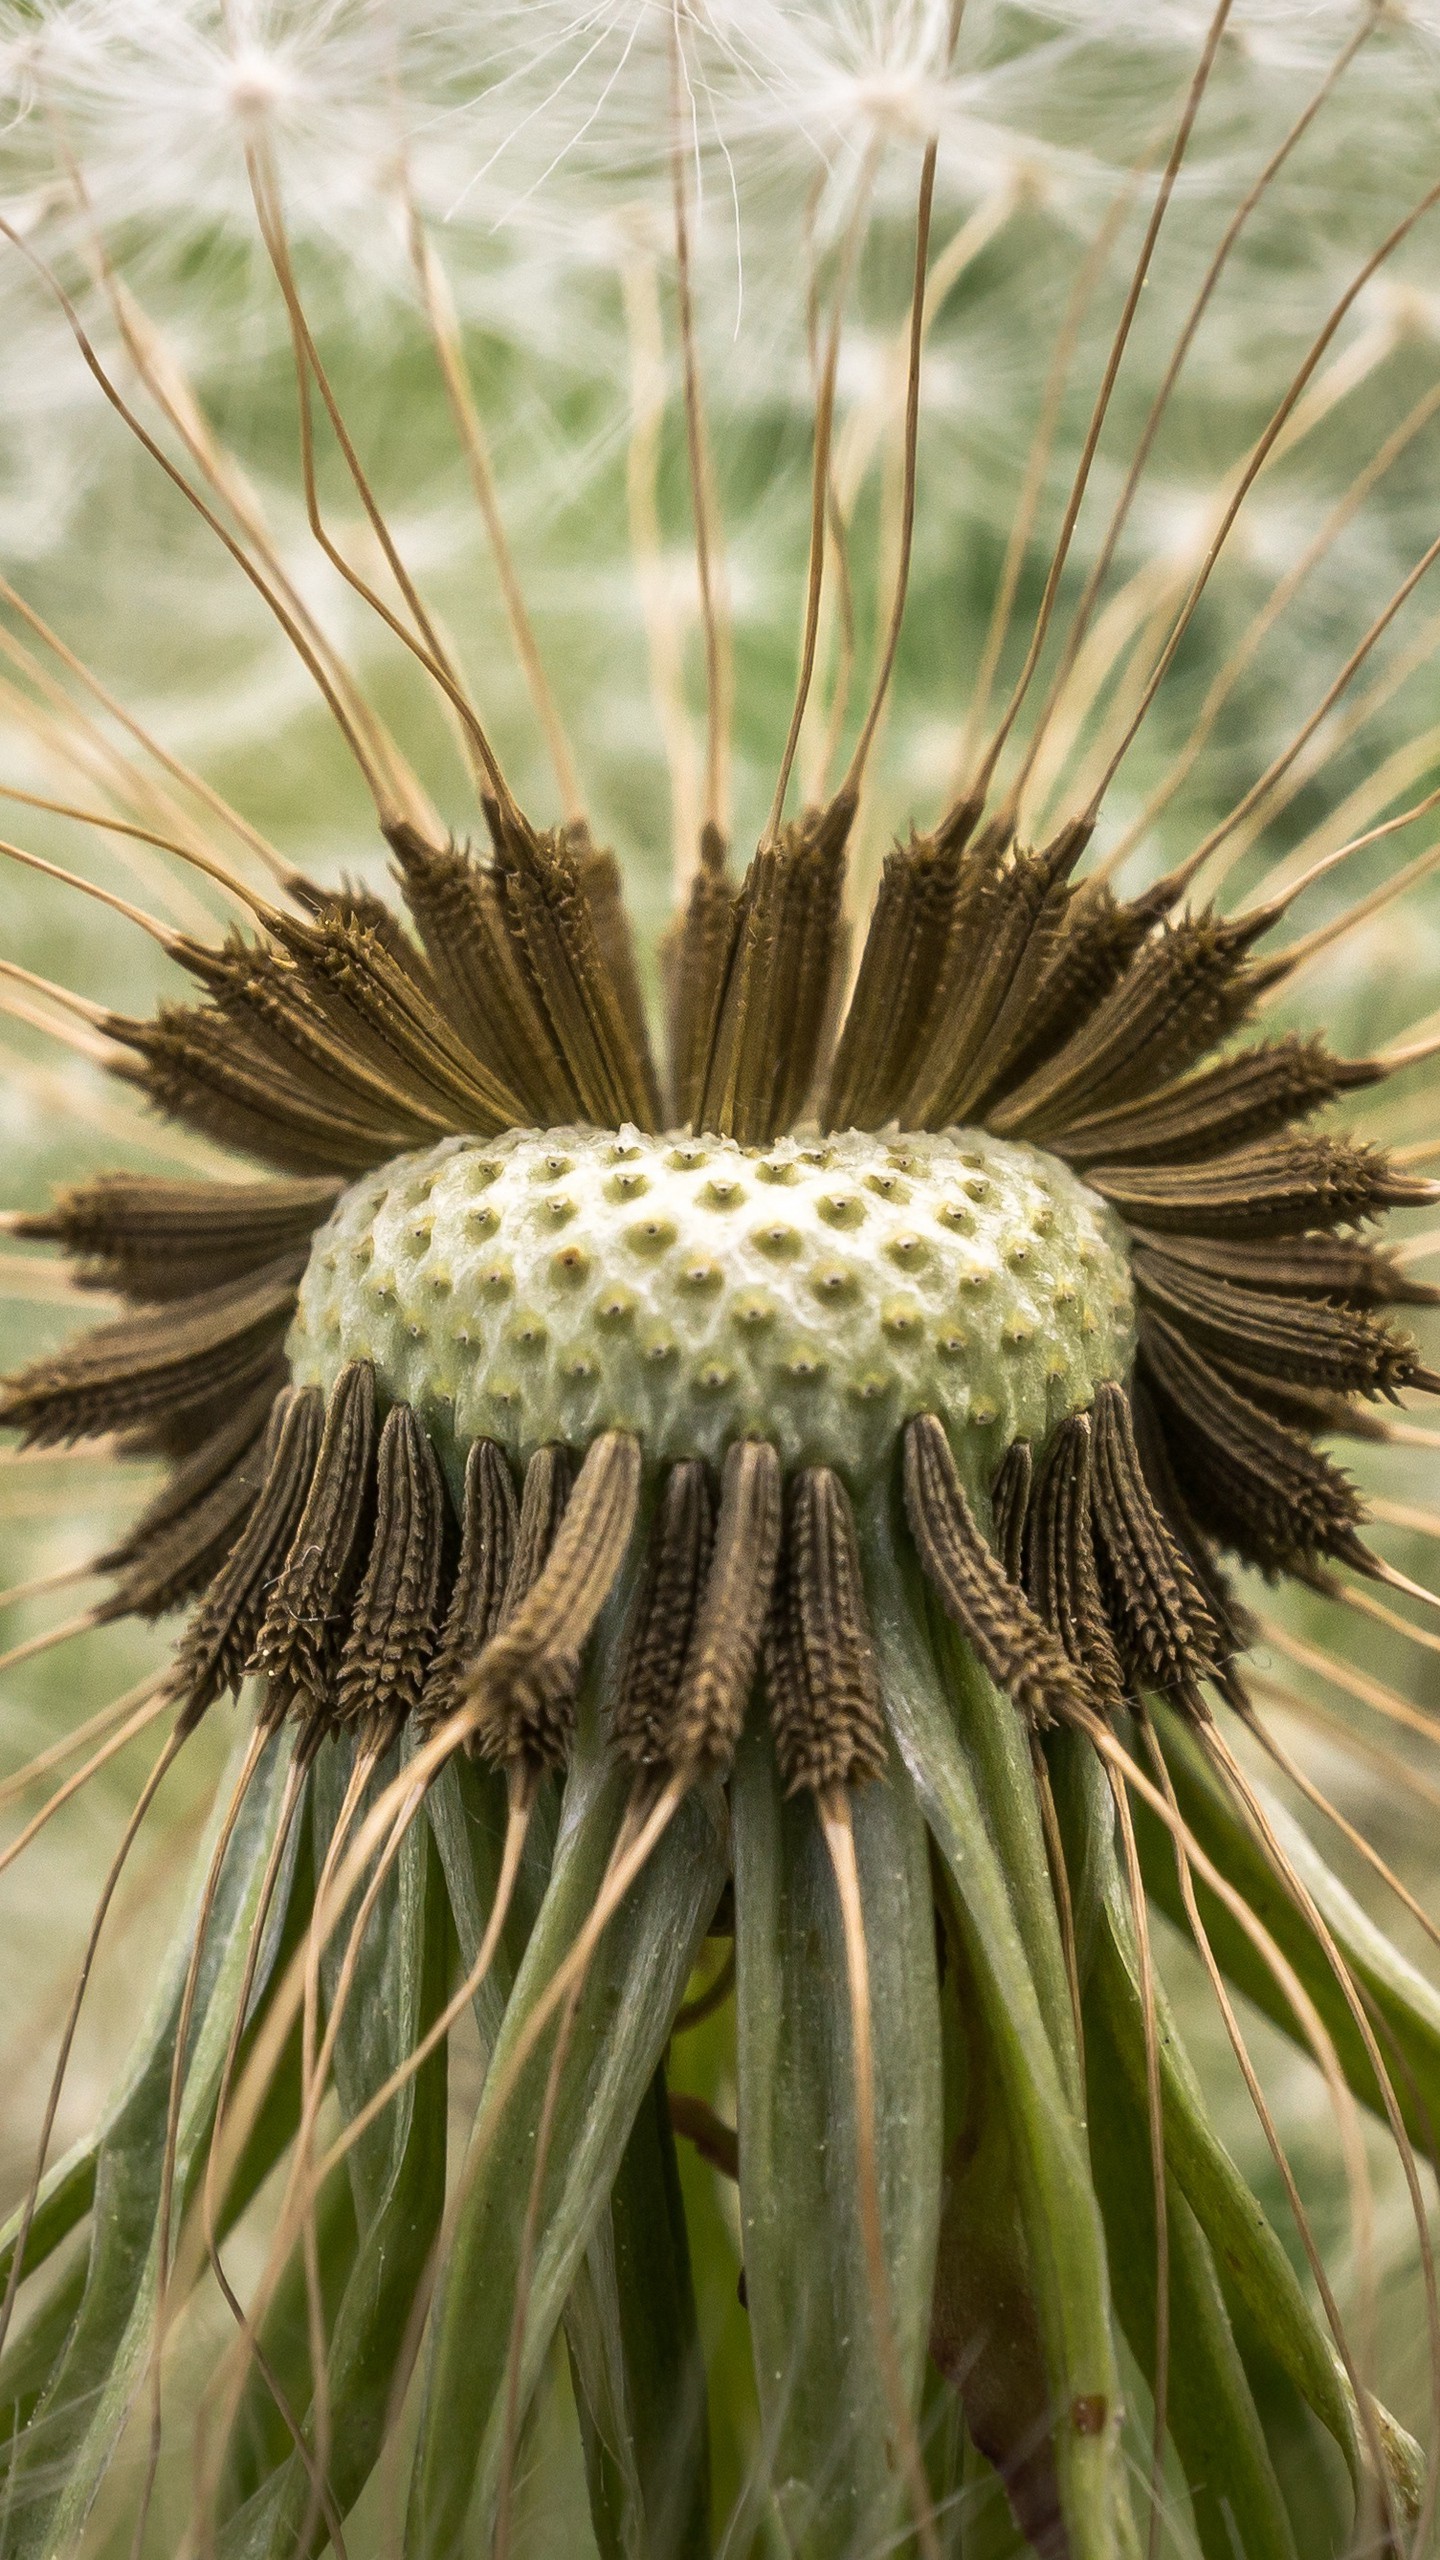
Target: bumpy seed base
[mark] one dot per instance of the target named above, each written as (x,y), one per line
(549,1285)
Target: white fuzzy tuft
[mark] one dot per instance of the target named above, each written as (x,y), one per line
(535,140)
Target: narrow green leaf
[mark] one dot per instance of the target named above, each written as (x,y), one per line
(67,2190)
(631,1992)
(397,2213)
(63,2457)
(597,2381)
(1405,2008)
(637,2362)
(1235,2496)
(1052,2171)
(995,1742)
(467,1809)
(1308,2463)
(31,2359)
(1086,1811)
(382,2000)
(260,2442)
(1408,2017)
(826,2418)
(1248,2253)
(665,2369)
(468,1814)
(1249,2256)
(985,2330)
(66,2195)
(942,2432)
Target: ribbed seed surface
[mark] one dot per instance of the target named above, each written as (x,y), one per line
(548,1285)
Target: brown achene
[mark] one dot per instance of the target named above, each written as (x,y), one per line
(326,1049)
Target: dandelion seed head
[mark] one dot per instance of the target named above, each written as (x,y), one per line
(617,1399)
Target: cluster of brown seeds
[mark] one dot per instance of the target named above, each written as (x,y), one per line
(991,990)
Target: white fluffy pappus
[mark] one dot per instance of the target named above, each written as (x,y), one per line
(535,145)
